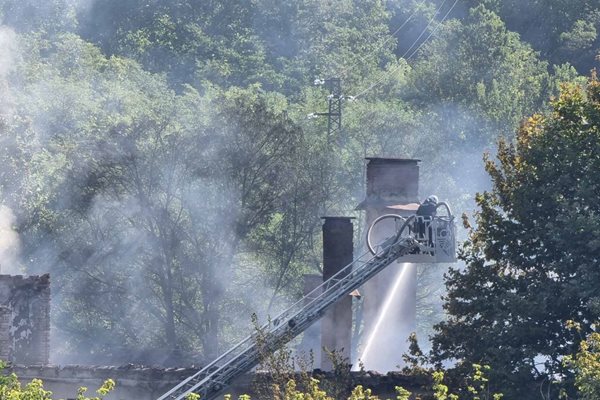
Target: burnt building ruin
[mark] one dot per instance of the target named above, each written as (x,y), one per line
(392,187)
(25,319)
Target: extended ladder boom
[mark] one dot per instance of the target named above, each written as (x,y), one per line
(213,378)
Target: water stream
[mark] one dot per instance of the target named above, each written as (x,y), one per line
(385,343)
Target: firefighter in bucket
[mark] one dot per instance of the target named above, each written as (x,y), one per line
(431,225)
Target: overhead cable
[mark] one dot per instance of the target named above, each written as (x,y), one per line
(363,60)
(412,53)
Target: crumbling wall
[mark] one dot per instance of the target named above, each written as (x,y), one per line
(6,345)
(25,319)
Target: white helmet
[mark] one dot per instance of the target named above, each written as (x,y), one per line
(432,199)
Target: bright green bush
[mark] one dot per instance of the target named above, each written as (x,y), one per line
(586,364)
(11,388)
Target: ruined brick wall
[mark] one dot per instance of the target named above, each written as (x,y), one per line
(25,333)
(5,336)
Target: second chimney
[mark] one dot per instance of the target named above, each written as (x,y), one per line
(336,325)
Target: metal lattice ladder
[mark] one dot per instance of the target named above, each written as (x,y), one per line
(213,378)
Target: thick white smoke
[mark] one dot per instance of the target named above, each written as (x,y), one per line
(8,50)
(10,244)
(9,239)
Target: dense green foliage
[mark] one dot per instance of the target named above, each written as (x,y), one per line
(159,163)
(562,30)
(532,260)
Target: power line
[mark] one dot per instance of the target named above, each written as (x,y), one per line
(390,37)
(376,83)
(426,28)
(434,30)
(384,76)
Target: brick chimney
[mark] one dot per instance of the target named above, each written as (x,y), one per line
(390,182)
(336,324)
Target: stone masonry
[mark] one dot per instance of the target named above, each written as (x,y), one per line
(25,319)
(6,345)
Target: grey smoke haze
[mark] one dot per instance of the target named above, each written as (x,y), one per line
(451,149)
(10,245)
(106,259)
(8,51)
(111,247)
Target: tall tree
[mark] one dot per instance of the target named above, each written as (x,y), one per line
(479,68)
(130,192)
(532,259)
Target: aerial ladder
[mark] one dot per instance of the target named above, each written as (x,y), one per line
(415,239)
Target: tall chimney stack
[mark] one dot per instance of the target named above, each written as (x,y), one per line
(336,325)
(390,182)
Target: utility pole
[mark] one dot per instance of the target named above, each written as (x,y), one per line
(334,114)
